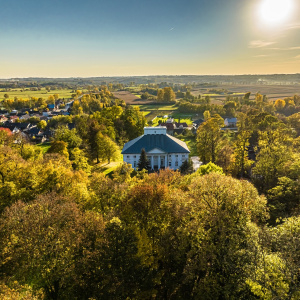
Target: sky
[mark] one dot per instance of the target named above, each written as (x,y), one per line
(72,38)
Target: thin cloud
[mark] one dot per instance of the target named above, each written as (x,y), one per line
(297,57)
(262,55)
(260,44)
(171,29)
(293,26)
(286,49)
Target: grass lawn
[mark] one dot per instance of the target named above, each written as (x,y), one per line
(44,147)
(108,168)
(155,122)
(176,118)
(26,93)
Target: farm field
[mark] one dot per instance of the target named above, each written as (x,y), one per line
(273,92)
(128,97)
(158,107)
(43,93)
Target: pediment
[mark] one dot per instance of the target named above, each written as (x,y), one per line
(156,151)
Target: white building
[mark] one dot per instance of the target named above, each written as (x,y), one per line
(230,122)
(163,150)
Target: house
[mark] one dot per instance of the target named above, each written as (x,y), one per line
(4,112)
(181,125)
(14,112)
(51,106)
(197,123)
(13,118)
(3,119)
(163,150)
(169,126)
(35,134)
(230,122)
(174,127)
(25,117)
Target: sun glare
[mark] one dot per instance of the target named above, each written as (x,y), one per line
(275,12)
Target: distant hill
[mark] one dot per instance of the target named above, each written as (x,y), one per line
(206,80)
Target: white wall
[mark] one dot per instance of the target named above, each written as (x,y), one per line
(132,159)
(176,159)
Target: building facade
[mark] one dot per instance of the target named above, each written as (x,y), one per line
(163,151)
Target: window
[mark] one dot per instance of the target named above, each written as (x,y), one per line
(176,163)
(170,155)
(134,164)
(134,156)
(183,156)
(170,163)
(128,156)
(176,155)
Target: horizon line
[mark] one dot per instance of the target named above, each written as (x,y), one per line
(124,76)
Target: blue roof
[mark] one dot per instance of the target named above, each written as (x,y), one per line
(231,120)
(164,142)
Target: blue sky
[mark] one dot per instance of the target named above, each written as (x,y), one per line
(104,38)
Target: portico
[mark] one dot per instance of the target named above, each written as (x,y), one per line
(157,159)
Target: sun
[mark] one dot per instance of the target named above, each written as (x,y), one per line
(275,12)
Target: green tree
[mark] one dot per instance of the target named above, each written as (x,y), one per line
(206,115)
(106,148)
(42,124)
(186,167)
(274,153)
(79,160)
(169,94)
(44,243)
(209,138)
(59,147)
(143,162)
(220,258)
(70,137)
(279,104)
(241,161)
(209,168)
(247,96)
(160,95)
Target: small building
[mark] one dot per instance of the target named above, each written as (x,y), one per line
(174,127)
(163,150)
(3,119)
(51,107)
(230,122)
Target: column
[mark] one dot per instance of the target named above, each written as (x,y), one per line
(152,167)
(158,162)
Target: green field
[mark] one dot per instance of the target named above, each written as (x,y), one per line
(44,147)
(137,95)
(43,93)
(188,121)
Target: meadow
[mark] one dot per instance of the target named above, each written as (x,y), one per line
(43,93)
